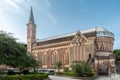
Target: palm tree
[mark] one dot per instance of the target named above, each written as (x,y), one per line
(58,65)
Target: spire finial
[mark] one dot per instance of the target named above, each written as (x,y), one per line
(31,18)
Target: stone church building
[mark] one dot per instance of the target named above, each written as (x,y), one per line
(95,43)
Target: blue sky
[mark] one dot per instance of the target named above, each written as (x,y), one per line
(56,17)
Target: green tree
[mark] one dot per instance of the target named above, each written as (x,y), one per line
(9,49)
(13,53)
(117,54)
(28,61)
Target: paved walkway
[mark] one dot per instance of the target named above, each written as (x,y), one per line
(51,77)
(112,77)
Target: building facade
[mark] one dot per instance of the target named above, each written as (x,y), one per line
(95,43)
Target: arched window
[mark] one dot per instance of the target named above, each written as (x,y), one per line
(66,57)
(55,57)
(44,58)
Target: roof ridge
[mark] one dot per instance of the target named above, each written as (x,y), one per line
(73,33)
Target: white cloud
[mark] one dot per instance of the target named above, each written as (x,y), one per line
(48,13)
(12,10)
(43,6)
(52,18)
(47,2)
(12,4)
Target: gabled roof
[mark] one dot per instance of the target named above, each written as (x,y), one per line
(97,29)
(57,37)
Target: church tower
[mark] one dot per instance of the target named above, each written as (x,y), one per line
(31,32)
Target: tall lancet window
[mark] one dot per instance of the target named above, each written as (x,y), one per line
(44,58)
(66,57)
(55,57)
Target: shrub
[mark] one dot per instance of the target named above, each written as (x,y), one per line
(69,73)
(82,69)
(25,77)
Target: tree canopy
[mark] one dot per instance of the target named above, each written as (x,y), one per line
(14,53)
(117,54)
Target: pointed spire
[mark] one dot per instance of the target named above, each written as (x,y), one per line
(31,18)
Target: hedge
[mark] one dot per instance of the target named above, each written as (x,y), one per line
(25,77)
(70,73)
(66,73)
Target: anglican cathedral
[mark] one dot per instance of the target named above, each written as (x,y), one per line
(94,45)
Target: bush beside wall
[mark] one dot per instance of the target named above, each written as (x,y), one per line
(25,77)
